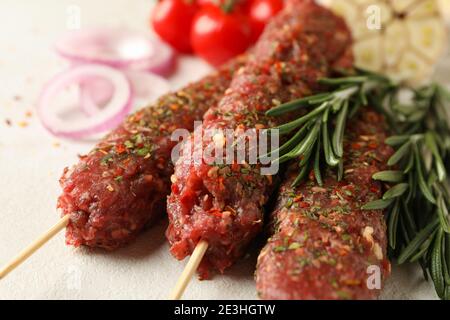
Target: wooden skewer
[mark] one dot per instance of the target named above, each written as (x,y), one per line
(32,248)
(189,270)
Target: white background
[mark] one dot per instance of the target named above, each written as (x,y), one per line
(31,162)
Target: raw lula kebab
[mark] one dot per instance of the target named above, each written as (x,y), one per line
(132,163)
(223,205)
(120,186)
(372,232)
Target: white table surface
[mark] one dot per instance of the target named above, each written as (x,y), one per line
(31,162)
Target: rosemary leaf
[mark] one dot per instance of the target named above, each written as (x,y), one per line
(399,154)
(389,176)
(363,96)
(295,104)
(419,239)
(395,141)
(424,248)
(422,184)
(330,158)
(443,214)
(380,204)
(431,144)
(447,258)
(290,144)
(343,81)
(436,265)
(305,146)
(396,191)
(289,127)
(409,218)
(410,164)
(338,136)
(317,172)
(393,224)
(303,173)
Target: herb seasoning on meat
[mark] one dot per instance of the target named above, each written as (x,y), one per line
(224,206)
(121,185)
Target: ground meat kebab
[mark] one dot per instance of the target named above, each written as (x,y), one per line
(121,185)
(224,204)
(324,244)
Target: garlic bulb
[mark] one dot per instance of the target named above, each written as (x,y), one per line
(403,39)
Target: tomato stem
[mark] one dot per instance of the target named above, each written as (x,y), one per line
(228,5)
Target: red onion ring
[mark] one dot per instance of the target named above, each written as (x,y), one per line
(95,93)
(106,118)
(117,48)
(146,86)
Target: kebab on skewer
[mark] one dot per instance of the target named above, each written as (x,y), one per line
(324,245)
(221,207)
(121,185)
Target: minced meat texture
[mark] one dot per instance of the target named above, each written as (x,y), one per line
(121,185)
(323,242)
(223,204)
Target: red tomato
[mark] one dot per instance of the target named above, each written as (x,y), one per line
(172,20)
(218,36)
(260,12)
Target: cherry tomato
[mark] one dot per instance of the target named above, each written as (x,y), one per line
(218,34)
(260,12)
(172,20)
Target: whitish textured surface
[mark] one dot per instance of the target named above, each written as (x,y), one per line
(31,162)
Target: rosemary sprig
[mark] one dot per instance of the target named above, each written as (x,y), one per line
(317,136)
(419,198)
(417,205)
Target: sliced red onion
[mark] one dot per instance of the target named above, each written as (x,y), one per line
(94,94)
(106,118)
(117,48)
(163,62)
(146,87)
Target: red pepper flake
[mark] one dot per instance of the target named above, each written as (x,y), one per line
(356,146)
(303,204)
(215,212)
(373,145)
(248,178)
(121,149)
(28,114)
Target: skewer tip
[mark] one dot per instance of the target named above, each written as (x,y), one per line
(189,270)
(33,247)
